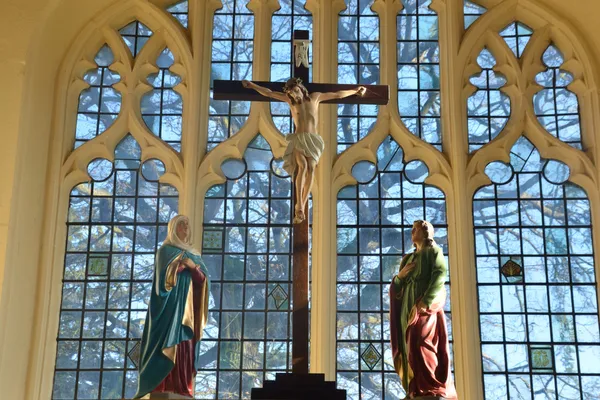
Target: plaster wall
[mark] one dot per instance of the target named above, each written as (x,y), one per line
(34,36)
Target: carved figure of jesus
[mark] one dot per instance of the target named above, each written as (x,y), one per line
(305,146)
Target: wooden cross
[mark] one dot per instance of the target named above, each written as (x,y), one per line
(233,90)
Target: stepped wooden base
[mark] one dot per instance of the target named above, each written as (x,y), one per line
(298,387)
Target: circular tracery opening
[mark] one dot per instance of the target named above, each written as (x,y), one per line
(152,170)
(233,168)
(100,169)
(364,171)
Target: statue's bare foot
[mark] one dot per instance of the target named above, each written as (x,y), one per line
(299,217)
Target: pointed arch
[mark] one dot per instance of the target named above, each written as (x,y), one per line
(414,148)
(247,246)
(116,220)
(547,28)
(375,215)
(536,278)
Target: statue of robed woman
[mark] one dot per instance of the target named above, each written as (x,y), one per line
(177,314)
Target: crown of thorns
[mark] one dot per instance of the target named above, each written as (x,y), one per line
(291,83)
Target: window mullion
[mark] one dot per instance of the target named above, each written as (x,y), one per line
(460,218)
(322,290)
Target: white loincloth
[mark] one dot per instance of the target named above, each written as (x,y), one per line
(310,144)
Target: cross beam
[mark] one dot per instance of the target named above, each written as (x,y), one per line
(234,90)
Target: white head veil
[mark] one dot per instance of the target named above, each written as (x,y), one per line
(174,240)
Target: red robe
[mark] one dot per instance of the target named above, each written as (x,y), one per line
(420,340)
(181,379)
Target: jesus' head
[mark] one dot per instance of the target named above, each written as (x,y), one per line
(295,90)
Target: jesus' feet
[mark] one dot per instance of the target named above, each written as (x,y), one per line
(299,217)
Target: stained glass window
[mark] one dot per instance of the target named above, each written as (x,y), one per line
(472,12)
(488,109)
(374,222)
(115,223)
(232,53)
(180,12)
(358,63)
(534,258)
(556,107)
(419,100)
(247,248)
(291,16)
(536,281)
(100,103)
(162,107)
(135,36)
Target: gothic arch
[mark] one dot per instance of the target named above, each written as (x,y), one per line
(70,166)
(413,148)
(547,28)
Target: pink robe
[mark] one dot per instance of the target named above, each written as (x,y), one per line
(420,340)
(429,355)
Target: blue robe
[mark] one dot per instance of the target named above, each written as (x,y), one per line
(170,317)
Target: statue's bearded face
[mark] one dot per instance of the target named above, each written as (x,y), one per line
(183,230)
(296,93)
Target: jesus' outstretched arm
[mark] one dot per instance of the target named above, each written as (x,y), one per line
(340,94)
(265,91)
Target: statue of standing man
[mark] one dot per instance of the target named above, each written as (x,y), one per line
(417,323)
(305,146)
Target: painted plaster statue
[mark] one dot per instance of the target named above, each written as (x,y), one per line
(177,314)
(417,323)
(305,146)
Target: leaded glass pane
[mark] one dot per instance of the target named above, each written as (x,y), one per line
(374,229)
(358,63)
(556,107)
(180,12)
(472,12)
(516,35)
(232,54)
(537,307)
(109,264)
(99,104)
(419,99)
(135,35)
(488,109)
(162,107)
(247,242)
(291,16)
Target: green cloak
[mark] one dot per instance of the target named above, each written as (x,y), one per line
(425,283)
(168,320)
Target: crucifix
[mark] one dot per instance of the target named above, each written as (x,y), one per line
(301,157)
